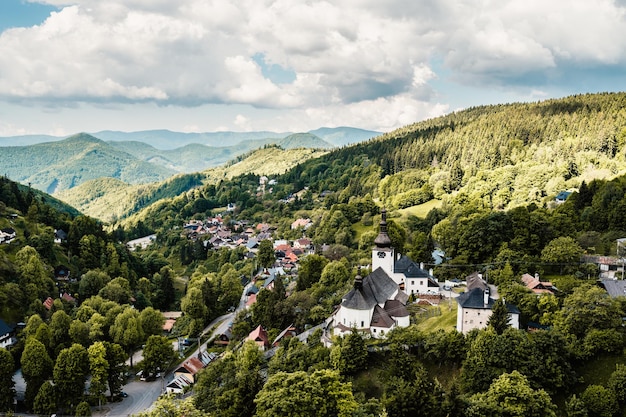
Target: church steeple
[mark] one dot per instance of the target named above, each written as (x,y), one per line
(358,280)
(383,255)
(383,240)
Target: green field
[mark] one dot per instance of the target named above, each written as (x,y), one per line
(420,211)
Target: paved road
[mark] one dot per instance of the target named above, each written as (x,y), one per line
(141,396)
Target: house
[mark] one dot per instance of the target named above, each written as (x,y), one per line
(60,236)
(48,303)
(614,287)
(7,235)
(142,242)
(251,300)
(301,223)
(562,197)
(223,339)
(7,338)
(376,304)
(536,286)
(289,332)
(303,244)
(170,319)
(474,307)
(178,385)
(189,369)
(68,298)
(62,273)
(259,336)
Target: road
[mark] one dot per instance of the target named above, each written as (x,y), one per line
(142,394)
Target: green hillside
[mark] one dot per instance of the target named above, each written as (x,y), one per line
(56,166)
(109,199)
(196,157)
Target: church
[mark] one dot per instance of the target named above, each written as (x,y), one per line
(377,303)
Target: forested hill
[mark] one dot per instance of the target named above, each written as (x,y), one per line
(501,155)
(109,199)
(60,165)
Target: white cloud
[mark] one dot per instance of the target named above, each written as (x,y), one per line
(369,61)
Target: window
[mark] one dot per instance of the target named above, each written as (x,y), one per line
(362,323)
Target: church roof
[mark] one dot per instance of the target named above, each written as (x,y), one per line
(396,308)
(381,318)
(383,240)
(377,288)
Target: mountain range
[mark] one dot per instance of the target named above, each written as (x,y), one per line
(54,164)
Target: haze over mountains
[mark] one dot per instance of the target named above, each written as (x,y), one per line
(52,164)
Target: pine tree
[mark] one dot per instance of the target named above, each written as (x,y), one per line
(500,317)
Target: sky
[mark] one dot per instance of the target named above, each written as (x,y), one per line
(69,66)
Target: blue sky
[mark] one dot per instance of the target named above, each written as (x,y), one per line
(69,66)
(20,13)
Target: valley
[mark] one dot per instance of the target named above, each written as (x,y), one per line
(523,202)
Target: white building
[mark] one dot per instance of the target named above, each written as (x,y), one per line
(475,308)
(376,304)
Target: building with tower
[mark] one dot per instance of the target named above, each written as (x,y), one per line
(377,303)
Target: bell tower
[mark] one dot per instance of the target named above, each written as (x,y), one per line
(382,253)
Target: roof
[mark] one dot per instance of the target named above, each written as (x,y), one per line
(168,325)
(377,288)
(475,280)
(409,268)
(475,299)
(381,318)
(259,335)
(537,286)
(396,308)
(4,328)
(192,365)
(290,330)
(383,240)
(615,288)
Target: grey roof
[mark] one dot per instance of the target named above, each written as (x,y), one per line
(475,299)
(396,308)
(377,288)
(4,328)
(475,280)
(381,318)
(615,288)
(409,268)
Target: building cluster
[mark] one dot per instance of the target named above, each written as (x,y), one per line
(186,374)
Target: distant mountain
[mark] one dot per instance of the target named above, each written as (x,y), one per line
(28,140)
(341,136)
(54,166)
(304,140)
(168,140)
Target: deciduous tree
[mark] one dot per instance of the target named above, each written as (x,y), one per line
(7,390)
(511,395)
(300,394)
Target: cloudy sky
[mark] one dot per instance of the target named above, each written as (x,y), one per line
(68,66)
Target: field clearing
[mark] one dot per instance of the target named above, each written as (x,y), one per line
(421,210)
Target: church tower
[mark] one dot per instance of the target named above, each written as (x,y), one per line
(383,254)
